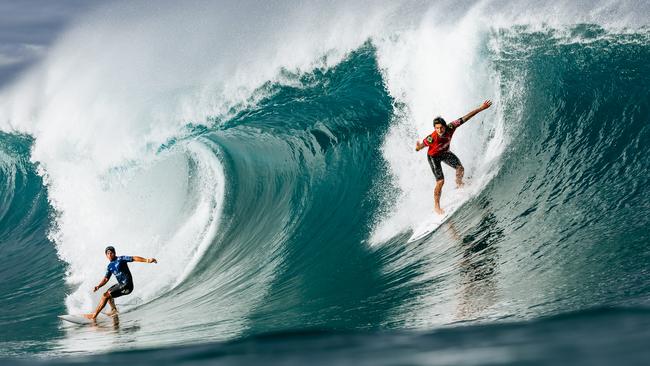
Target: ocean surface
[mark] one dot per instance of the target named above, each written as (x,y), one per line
(264,154)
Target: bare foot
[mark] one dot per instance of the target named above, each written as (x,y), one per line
(90,316)
(439,211)
(111,313)
(460,184)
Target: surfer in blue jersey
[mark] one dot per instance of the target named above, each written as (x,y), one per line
(124,286)
(438,143)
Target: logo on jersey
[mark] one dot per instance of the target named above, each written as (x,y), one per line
(429,139)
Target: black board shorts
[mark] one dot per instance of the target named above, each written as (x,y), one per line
(448,158)
(118,289)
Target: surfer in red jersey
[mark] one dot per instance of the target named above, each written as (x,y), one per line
(438,143)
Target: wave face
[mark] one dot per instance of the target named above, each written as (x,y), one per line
(275,179)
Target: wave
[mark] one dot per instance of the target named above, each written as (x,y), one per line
(274,177)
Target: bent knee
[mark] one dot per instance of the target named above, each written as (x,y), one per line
(107,295)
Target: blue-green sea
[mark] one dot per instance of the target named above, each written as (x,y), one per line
(264,154)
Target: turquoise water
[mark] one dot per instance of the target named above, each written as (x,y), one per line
(281,220)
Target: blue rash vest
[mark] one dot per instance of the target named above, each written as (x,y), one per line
(120,269)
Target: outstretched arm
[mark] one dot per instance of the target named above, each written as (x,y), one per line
(419,146)
(104,280)
(483,107)
(145,260)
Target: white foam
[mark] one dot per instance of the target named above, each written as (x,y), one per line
(436,70)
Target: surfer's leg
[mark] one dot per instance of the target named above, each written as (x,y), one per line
(107,297)
(436,168)
(102,303)
(117,291)
(111,302)
(436,196)
(460,172)
(452,160)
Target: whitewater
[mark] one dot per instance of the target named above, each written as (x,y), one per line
(264,154)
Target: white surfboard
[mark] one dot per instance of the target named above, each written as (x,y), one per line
(82,320)
(431,221)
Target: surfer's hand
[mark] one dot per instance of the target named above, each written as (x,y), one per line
(152,260)
(96,288)
(486,104)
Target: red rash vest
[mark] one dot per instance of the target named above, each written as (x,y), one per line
(438,144)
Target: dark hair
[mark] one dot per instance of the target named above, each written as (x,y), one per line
(439,121)
(109,248)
